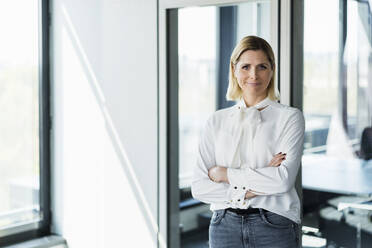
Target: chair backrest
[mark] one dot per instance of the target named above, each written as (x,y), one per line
(366,144)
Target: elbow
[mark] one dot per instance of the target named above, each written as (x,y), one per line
(194,191)
(197,191)
(286,180)
(286,183)
(284,186)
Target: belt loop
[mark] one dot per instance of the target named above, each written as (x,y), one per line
(261,211)
(224,212)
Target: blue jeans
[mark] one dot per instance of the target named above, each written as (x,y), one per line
(259,230)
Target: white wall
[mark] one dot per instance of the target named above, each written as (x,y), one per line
(104,104)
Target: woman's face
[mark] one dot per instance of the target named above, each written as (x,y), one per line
(253,72)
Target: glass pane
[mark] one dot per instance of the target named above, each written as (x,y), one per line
(199,29)
(197,81)
(320,72)
(19,119)
(252,19)
(337,108)
(356,59)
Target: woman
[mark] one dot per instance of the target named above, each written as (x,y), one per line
(249,156)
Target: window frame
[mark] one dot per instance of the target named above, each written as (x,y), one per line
(39,228)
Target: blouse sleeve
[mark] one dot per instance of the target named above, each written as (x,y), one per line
(275,180)
(202,187)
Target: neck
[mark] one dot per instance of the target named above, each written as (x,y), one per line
(251,100)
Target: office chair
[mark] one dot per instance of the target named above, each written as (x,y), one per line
(366,144)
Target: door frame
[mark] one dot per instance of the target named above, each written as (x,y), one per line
(289,41)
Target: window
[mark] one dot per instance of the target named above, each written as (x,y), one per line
(197,81)
(24,125)
(336,77)
(337,108)
(320,72)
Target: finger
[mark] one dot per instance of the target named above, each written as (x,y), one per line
(211,174)
(277,162)
(280,155)
(250,197)
(277,155)
(274,164)
(278,159)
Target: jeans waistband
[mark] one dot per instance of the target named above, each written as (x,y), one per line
(245,211)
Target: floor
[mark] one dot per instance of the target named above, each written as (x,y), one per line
(195,240)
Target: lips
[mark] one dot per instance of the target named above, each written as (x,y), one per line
(254,84)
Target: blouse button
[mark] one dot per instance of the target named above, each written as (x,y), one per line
(235,187)
(244,188)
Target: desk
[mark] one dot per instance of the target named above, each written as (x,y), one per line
(366,205)
(334,175)
(341,176)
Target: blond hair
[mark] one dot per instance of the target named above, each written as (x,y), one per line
(234,92)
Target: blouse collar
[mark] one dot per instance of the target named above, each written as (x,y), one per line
(262,104)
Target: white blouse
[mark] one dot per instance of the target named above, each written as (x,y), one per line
(245,140)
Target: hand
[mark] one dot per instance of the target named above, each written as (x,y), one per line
(218,174)
(249,195)
(277,159)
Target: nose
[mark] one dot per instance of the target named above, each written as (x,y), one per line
(253,73)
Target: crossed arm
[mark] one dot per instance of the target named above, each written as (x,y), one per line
(218,174)
(212,183)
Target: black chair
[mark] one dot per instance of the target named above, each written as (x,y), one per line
(366,144)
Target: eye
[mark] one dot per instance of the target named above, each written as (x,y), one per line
(262,67)
(245,67)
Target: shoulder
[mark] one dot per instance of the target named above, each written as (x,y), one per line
(288,114)
(286,110)
(221,115)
